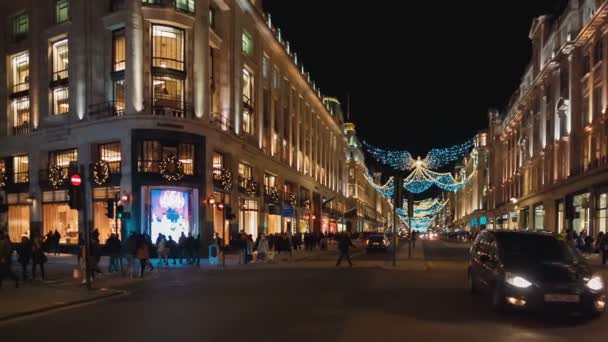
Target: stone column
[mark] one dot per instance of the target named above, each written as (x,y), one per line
(134,71)
(35,191)
(200,66)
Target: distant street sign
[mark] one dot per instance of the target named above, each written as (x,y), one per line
(287,212)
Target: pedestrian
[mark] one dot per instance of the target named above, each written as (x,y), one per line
(181,243)
(344,246)
(598,241)
(198,250)
(38,257)
(249,248)
(24,252)
(289,239)
(6,254)
(162,250)
(190,249)
(173,249)
(262,248)
(143,255)
(56,240)
(131,247)
(604,249)
(414,237)
(114,247)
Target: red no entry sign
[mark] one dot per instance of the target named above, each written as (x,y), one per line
(76,180)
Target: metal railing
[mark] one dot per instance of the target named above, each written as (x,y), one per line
(17,88)
(222,122)
(168,63)
(246,185)
(169,107)
(21,129)
(107,109)
(181,6)
(60,75)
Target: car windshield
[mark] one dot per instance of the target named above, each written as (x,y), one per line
(376,237)
(535,248)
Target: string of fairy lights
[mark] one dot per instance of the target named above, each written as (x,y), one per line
(421,178)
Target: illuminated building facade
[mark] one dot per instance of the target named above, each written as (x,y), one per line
(172,107)
(549,149)
(367,210)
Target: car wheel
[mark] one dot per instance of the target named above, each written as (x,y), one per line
(471,286)
(498,299)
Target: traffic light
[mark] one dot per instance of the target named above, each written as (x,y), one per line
(110,209)
(120,210)
(76,188)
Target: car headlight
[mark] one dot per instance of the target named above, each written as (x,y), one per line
(596,283)
(517,281)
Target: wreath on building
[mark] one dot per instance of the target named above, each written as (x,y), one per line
(171,168)
(275,197)
(292,200)
(307,204)
(101,172)
(226,179)
(252,188)
(57,176)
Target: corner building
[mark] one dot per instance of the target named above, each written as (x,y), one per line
(172,107)
(549,148)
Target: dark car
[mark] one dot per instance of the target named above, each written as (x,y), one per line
(534,271)
(376,242)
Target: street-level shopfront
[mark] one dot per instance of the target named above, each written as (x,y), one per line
(248,217)
(57,216)
(221,226)
(106,226)
(18,216)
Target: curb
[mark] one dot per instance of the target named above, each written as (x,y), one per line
(30,313)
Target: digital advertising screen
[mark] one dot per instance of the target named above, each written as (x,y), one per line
(170,213)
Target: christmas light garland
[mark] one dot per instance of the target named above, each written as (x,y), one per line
(57,176)
(225,179)
(252,188)
(171,168)
(101,172)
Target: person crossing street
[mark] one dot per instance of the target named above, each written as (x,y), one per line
(344,246)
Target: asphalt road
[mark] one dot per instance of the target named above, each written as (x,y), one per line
(308,301)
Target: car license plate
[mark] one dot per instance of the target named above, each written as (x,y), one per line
(376,243)
(562,298)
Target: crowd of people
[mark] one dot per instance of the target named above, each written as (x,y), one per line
(586,243)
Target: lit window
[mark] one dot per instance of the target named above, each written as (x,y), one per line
(118,50)
(218,164)
(63,158)
(244,171)
(62,9)
(218,160)
(185,5)
(21,72)
(168,94)
(119,97)
(186,156)
(265,67)
(248,91)
(21,115)
(60,60)
(247,44)
(149,156)
(167,47)
(61,100)
(111,154)
(20,26)
(20,169)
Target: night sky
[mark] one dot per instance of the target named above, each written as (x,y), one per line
(460,59)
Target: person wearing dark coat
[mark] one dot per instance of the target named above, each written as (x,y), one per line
(6,253)
(173,249)
(344,245)
(114,247)
(56,239)
(189,246)
(38,257)
(24,252)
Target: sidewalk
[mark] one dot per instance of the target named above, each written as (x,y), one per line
(596,264)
